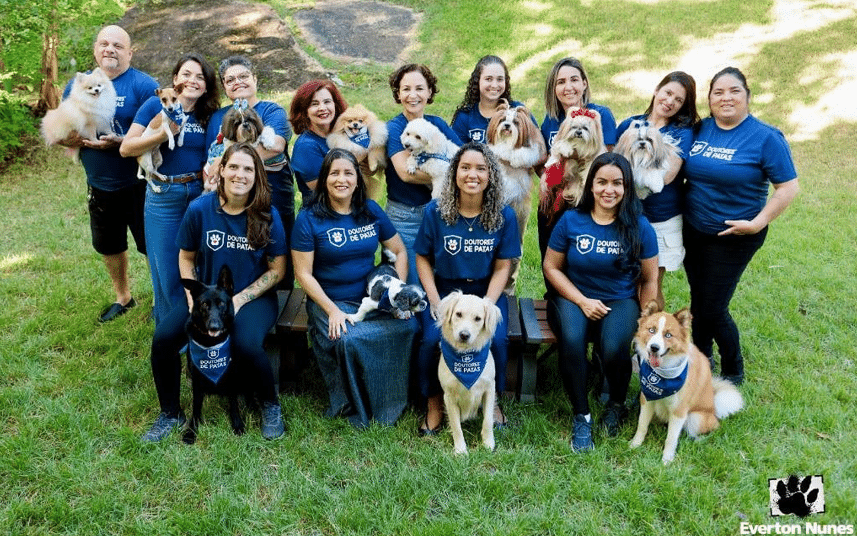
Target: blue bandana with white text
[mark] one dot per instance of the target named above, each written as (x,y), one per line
(467,366)
(211,362)
(655,386)
(361,139)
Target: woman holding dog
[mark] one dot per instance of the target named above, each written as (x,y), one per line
(414,87)
(365,365)
(239,82)
(466,242)
(314,110)
(602,257)
(179,179)
(236,226)
(733,160)
(672,111)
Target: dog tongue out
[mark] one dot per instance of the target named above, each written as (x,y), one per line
(654,360)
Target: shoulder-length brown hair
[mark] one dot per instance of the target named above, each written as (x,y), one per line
(258,207)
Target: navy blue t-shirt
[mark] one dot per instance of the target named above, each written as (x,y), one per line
(728,172)
(458,253)
(307,155)
(471,125)
(591,251)
(668,203)
(191,156)
(550,126)
(344,250)
(219,238)
(412,195)
(107,169)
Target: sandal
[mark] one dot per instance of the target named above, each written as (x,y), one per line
(423,429)
(502,422)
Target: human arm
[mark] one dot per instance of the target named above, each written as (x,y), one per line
(187,263)
(552,266)
(275,273)
(400,163)
(426,274)
(784,193)
(336,319)
(648,288)
(397,247)
(499,278)
(135,143)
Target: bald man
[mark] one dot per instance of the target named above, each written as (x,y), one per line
(116,196)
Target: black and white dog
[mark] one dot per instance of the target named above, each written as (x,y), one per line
(386,292)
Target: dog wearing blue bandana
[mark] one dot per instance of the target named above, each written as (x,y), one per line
(208,359)
(431,152)
(466,368)
(676,385)
(386,292)
(360,132)
(171,112)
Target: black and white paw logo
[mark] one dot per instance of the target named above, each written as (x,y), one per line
(797,496)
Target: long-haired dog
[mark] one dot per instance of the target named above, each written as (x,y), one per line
(241,123)
(88,110)
(466,369)
(431,152)
(171,112)
(676,385)
(576,144)
(519,146)
(386,292)
(360,132)
(651,157)
(211,367)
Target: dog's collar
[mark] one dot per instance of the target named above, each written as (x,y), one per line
(212,361)
(468,365)
(422,158)
(385,304)
(657,383)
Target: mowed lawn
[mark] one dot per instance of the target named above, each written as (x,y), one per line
(75,396)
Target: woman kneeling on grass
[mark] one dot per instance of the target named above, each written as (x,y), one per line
(365,365)
(239,214)
(602,256)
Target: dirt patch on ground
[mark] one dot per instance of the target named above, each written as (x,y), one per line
(162,32)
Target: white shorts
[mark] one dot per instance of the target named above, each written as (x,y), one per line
(670,244)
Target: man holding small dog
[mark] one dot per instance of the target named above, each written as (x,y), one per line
(115,194)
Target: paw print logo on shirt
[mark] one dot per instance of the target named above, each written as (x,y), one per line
(337,236)
(215,239)
(585,244)
(452,244)
(797,496)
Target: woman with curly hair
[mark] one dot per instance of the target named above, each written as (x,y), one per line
(489,82)
(467,241)
(602,260)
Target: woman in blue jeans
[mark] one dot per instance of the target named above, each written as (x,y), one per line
(602,259)
(179,178)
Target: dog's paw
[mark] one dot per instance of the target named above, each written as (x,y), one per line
(489,443)
(668,457)
(189,436)
(459,450)
(401,315)
(635,443)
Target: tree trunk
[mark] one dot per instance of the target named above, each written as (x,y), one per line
(49,95)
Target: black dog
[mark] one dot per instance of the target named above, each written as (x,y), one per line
(212,369)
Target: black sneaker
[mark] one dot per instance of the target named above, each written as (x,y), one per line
(163,426)
(115,310)
(581,434)
(735,379)
(272,420)
(613,417)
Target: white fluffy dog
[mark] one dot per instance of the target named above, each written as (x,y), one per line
(466,369)
(650,156)
(431,152)
(88,110)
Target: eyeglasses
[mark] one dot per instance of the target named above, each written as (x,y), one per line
(243,78)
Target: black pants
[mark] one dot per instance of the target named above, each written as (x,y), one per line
(714,265)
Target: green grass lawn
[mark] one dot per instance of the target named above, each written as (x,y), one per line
(75,396)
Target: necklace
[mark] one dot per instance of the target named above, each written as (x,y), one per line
(471,222)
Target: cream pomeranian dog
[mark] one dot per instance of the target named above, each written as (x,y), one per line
(576,144)
(360,132)
(466,369)
(88,110)
(650,156)
(431,152)
(519,146)
(676,385)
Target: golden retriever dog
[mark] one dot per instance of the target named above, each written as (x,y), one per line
(358,131)
(651,157)
(466,369)
(576,144)
(88,110)
(676,385)
(430,152)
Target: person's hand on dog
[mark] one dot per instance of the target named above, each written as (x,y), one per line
(105,141)
(336,325)
(593,309)
(72,141)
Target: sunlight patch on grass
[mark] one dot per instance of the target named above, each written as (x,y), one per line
(841,87)
(10,261)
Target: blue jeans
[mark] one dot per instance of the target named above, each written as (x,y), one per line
(612,334)
(407,220)
(163,213)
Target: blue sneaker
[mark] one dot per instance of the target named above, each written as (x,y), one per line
(272,420)
(163,426)
(581,434)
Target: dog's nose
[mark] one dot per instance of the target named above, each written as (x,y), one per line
(464,336)
(654,348)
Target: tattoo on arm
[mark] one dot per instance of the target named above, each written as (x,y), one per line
(258,287)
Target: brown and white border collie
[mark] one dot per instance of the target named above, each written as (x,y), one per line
(676,385)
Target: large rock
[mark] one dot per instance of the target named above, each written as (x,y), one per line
(162,32)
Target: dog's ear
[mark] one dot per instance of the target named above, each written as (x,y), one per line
(684,317)
(493,315)
(195,287)
(224,279)
(650,308)
(447,306)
